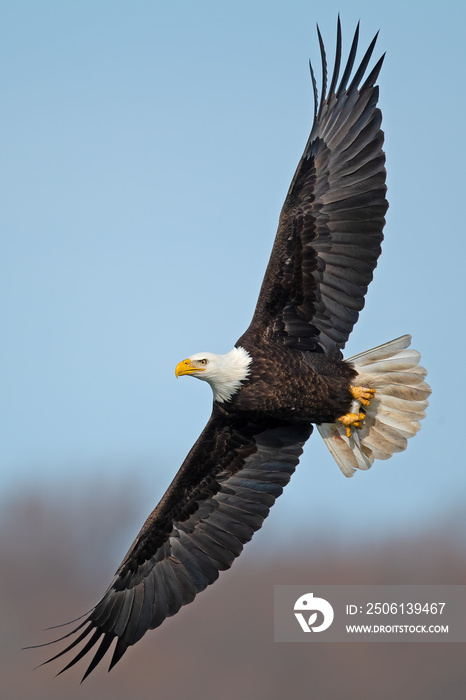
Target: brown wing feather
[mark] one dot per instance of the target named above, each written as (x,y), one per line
(219,498)
(330,227)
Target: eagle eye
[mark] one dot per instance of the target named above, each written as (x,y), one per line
(203,362)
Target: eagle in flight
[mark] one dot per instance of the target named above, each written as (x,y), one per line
(283,375)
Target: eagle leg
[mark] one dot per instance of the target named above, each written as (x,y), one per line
(350,419)
(362,394)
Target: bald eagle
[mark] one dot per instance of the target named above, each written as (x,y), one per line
(284,374)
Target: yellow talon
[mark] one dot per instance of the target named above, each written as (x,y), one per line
(350,419)
(362,394)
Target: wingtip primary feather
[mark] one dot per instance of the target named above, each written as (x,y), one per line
(98,656)
(314,89)
(374,74)
(323,58)
(337,64)
(363,65)
(350,62)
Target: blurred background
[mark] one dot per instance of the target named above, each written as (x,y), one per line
(147,149)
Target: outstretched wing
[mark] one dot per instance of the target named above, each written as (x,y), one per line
(330,227)
(219,498)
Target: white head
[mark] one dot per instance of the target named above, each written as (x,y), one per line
(225,373)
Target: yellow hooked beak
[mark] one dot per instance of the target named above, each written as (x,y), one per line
(187,367)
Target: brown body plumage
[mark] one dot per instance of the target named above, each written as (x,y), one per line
(294,385)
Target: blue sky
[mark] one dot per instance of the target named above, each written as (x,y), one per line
(147,149)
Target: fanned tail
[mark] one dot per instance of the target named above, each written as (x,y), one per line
(393,415)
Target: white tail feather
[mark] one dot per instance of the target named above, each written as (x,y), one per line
(392,416)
